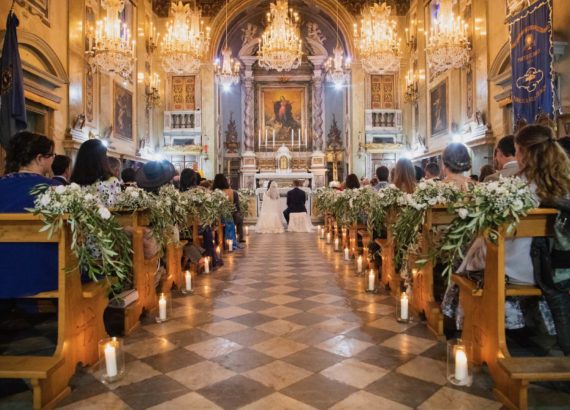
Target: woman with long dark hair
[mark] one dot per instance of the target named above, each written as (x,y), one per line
(405,176)
(221,183)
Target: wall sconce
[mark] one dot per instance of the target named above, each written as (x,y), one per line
(411,95)
(151,43)
(361,150)
(152,95)
(205,150)
(411,40)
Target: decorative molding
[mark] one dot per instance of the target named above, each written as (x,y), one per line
(38,8)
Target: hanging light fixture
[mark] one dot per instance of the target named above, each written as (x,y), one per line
(447,44)
(185,42)
(337,67)
(376,40)
(227,69)
(111,49)
(280,46)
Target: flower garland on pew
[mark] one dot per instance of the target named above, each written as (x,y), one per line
(244,196)
(351,204)
(411,218)
(209,205)
(380,204)
(325,199)
(483,210)
(98,241)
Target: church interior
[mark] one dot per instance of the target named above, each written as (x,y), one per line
(314,91)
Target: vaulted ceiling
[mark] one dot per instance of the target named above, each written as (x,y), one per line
(211,7)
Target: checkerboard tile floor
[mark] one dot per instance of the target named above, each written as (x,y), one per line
(284,324)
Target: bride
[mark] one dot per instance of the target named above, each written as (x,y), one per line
(271,219)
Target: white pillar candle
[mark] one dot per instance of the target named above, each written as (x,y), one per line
(246,230)
(322,233)
(206,265)
(218,251)
(110,359)
(230,245)
(460,365)
(162,307)
(273,139)
(359,264)
(404,306)
(346,254)
(336,244)
(329,237)
(188,278)
(371,280)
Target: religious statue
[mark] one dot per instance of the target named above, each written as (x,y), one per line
(231,133)
(315,33)
(333,137)
(249,33)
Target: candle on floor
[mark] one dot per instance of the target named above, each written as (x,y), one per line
(206,264)
(246,230)
(188,278)
(218,251)
(336,244)
(230,245)
(404,306)
(346,254)
(111,359)
(371,280)
(323,233)
(162,307)
(329,237)
(460,364)
(359,264)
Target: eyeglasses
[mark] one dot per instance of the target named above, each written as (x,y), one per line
(48,155)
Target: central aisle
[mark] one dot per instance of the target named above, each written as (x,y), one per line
(283,325)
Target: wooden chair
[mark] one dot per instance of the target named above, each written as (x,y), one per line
(484,322)
(143,270)
(79,315)
(422,284)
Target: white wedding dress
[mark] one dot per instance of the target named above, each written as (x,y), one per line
(271,219)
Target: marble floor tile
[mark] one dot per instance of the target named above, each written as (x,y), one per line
(188,401)
(362,400)
(201,375)
(277,401)
(235,392)
(102,401)
(279,347)
(277,374)
(354,373)
(451,398)
(280,327)
(408,344)
(344,346)
(149,347)
(222,328)
(214,347)
(318,391)
(426,369)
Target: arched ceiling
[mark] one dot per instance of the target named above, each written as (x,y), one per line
(212,7)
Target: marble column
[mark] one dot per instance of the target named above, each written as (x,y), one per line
(248,105)
(318,109)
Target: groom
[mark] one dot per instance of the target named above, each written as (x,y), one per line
(295,200)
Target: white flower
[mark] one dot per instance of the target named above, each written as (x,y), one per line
(432,201)
(463,213)
(422,185)
(60,189)
(74,187)
(45,199)
(517,205)
(104,212)
(134,193)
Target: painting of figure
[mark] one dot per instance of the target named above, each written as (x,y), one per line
(438,111)
(282,111)
(123,113)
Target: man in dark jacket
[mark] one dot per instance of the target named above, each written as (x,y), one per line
(295,200)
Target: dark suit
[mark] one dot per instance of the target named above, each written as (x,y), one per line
(60,180)
(295,202)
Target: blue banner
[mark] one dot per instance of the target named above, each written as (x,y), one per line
(13,108)
(531,61)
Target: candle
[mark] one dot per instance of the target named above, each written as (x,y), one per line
(460,364)
(266,132)
(371,280)
(359,264)
(299,134)
(188,278)
(162,307)
(329,237)
(322,233)
(218,251)
(206,265)
(346,254)
(111,359)
(274,139)
(336,243)
(292,143)
(230,245)
(247,231)
(404,306)
(259,139)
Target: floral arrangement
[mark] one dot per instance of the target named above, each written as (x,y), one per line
(244,197)
(483,210)
(101,246)
(209,206)
(351,204)
(325,199)
(381,203)
(411,218)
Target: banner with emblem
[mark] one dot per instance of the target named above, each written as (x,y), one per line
(531,60)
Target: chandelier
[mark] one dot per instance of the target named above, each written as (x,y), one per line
(337,67)
(376,41)
(111,49)
(447,44)
(185,42)
(228,70)
(280,47)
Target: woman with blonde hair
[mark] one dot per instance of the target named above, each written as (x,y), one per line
(405,176)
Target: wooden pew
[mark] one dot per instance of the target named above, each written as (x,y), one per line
(143,270)
(362,231)
(422,283)
(174,274)
(390,278)
(511,375)
(80,316)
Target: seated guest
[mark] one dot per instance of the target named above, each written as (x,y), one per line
(115,166)
(61,168)
(486,170)
(28,158)
(432,171)
(221,183)
(565,144)
(420,174)
(128,176)
(352,182)
(188,179)
(504,159)
(474,177)
(405,176)
(456,161)
(382,173)
(155,174)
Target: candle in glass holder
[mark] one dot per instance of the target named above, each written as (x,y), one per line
(329,237)
(359,264)
(218,251)
(110,359)
(246,230)
(230,245)
(162,307)
(371,280)
(336,244)
(188,278)
(460,364)
(404,306)
(346,254)
(206,265)
(323,233)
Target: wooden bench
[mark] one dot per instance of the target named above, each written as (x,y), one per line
(365,236)
(174,274)
(143,270)
(80,310)
(484,322)
(390,278)
(423,279)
